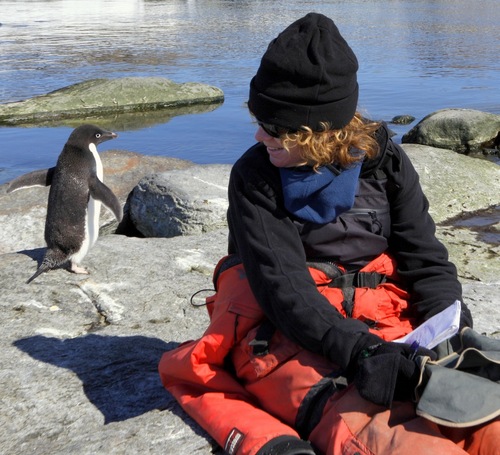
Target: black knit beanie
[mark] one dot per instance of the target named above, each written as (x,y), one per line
(306,76)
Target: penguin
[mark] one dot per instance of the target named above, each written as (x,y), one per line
(75,196)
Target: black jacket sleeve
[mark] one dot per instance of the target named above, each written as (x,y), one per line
(422,259)
(271,250)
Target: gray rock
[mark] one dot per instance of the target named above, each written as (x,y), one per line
(461,130)
(109,97)
(483,300)
(181,202)
(454,183)
(404,119)
(79,353)
(459,186)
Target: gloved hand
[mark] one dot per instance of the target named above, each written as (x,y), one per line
(286,445)
(385,371)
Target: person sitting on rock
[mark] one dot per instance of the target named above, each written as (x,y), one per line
(332,256)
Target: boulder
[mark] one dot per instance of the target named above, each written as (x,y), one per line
(461,130)
(101,97)
(181,202)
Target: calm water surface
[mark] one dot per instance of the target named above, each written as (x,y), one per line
(416,56)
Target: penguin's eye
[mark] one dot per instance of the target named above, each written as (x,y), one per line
(98,135)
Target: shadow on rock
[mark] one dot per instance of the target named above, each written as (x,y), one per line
(36,254)
(119,374)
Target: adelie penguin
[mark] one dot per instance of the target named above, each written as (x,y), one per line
(75,196)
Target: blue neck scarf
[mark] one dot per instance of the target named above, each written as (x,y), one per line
(320,196)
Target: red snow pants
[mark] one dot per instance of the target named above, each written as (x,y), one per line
(244,400)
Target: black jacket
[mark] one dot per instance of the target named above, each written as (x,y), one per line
(274,248)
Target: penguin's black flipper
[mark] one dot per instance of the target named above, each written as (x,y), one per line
(100,192)
(42,177)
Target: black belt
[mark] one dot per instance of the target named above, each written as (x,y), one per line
(347,280)
(358,280)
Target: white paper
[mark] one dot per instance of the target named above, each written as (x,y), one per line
(436,329)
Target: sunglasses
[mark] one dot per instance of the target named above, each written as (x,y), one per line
(273,130)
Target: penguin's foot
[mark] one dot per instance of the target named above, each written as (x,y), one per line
(77,269)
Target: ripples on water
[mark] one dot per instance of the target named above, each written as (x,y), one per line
(415,57)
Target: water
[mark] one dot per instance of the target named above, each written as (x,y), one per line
(416,56)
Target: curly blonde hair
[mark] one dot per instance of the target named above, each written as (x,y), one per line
(335,146)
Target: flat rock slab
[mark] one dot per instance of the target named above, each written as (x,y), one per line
(79,353)
(454,183)
(109,96)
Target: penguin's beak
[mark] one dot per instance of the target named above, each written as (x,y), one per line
(108,135)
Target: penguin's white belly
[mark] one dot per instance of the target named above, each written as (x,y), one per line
(92,222)
(91,225)
(94,207)
(77,257)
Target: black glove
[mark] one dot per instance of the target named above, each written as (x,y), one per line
(387,371)
(286,445)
